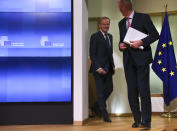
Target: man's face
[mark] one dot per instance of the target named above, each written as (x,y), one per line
(123,7)
(104,25)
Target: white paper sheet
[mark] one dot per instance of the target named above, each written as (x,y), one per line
(133,35)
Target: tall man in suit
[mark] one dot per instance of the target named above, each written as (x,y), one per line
(136,62)
(102,67)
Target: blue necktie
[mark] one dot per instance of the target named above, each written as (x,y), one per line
(107,41)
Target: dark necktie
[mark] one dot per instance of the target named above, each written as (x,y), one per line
(107,40)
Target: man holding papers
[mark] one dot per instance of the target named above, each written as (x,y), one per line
(137,32)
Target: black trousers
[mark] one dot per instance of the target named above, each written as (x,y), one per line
(138,84)
(104,87)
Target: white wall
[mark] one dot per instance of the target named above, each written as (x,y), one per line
(80,61)
(150,6)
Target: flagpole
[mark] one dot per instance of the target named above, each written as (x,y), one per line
(166,7)
(169,114)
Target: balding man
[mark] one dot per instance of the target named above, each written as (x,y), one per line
(102,67)
(136,62)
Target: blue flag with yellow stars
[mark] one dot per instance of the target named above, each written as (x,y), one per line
(164,64)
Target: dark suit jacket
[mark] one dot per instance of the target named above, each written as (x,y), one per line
(101,53)
(143,23)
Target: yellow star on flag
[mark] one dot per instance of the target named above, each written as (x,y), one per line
(160,53)
(164,69)
(172,73)
(164,45)
(159,62)
(170,43)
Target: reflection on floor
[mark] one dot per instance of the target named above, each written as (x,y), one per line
(96,124)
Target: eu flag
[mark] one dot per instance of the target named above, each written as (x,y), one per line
(164,64)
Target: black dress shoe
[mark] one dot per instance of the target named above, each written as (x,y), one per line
(135,125)
(146,125)
(107,120)
(91,116)
(106,116)
(96,111)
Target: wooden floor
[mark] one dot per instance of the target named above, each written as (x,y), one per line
(118,124)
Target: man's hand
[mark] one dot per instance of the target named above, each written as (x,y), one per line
(123,46)
(136,44)
(101,71)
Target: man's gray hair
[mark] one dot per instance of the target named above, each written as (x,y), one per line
(102,18)
(127,2)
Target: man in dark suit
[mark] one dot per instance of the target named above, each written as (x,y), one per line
(136,62)
(102,67)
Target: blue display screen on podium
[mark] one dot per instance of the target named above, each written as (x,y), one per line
(35,50)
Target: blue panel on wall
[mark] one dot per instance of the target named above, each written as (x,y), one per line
(35,6)
(35,50)
(35,79)
(35,34)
